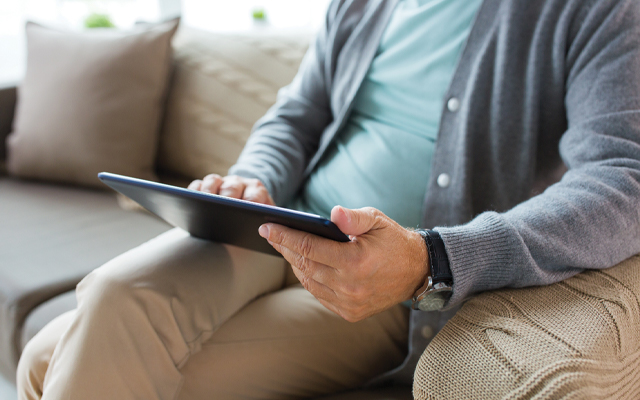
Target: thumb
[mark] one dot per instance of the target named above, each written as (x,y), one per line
(356,222)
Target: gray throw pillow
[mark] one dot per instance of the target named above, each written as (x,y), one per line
(90,101)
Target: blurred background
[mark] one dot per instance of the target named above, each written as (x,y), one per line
(211,15)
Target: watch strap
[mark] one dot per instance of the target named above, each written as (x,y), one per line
(438,259)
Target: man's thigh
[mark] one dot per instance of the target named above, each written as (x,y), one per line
(166,296)
(287,345)
(201,283)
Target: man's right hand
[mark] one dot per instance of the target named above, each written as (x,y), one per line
(234,186)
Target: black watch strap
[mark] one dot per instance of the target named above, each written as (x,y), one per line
(438,259)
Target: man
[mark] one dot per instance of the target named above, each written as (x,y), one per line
(456,114)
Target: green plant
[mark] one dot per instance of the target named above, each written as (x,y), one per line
(96,20)
(259,14)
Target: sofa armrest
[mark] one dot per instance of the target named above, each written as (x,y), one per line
(579,338)
(8,97)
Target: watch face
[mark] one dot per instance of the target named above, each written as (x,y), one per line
(434,300)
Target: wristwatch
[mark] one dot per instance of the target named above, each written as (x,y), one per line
(437,287)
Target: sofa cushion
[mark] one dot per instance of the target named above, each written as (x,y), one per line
(45,313)
(223,83)
(90,102)
(51,236)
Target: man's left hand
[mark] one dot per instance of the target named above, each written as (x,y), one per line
(383,264)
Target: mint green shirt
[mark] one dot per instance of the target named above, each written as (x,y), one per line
(382,157)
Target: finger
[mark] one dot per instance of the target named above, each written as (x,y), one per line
(316,271)
(315,248)
(195,185)
(317,289)
(232,186)
(211,183)
(357,222)
(256,192)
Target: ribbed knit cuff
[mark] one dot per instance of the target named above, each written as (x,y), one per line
(481,255)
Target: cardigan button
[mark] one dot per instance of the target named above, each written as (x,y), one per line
(444,180)
(453,104)
(427,332)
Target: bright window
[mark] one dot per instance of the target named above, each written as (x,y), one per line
(213,15)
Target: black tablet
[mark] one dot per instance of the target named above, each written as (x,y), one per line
(218,218)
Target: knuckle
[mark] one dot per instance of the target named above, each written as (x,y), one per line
(374,213)
(305,281)
(356,313)
(370,210)
(231,180)
(350,290)
(349,318)
(280,236)
(257,196)
(301,263)
(349,315)
(230,185)
(358,294)
(306,245)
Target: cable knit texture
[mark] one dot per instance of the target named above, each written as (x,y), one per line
(575,339)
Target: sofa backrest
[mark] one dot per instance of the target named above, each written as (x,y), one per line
(222,84)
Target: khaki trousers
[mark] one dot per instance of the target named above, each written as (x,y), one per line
(183,318)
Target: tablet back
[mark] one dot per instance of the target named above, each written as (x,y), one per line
(217,218)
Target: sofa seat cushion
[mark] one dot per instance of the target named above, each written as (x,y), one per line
(45,313)
(50,237)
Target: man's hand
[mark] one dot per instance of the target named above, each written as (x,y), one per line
(383,264)
(234,186)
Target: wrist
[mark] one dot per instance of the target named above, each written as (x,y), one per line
(437,287)
(422,265)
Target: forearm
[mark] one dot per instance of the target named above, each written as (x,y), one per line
(285,139)
(590,219)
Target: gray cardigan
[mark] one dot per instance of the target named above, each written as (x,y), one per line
(543,152)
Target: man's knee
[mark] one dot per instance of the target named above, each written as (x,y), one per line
(106,289)
(36,356)
(32,368)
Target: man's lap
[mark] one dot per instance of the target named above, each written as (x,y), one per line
(283,341)
(287,345)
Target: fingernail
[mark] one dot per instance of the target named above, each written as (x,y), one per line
(264,231)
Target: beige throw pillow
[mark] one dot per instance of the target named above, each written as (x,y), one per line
(90,102)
